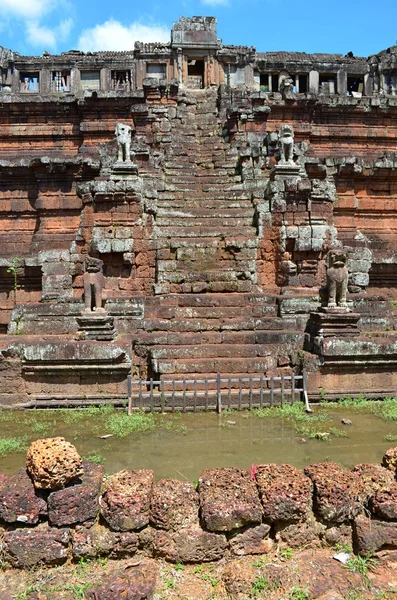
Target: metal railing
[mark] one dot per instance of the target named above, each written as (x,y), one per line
(216,393)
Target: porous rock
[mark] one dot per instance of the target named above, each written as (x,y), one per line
(389,459)
(370,535)
(174,504)
(228,499)
(19,501)
(25,548)
(384,503)
(125,502)
(77,503)
(52,463)
(298,534)
(3,479)
(192,545)
(285,492)
(371,478)
(335,492)
(253,540)
(100,541)
(138,583)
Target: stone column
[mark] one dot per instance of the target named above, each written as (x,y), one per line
(342,82)
(314,82)
(368,84)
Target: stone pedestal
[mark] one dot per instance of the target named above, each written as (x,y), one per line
(285,171)
(124,170)
(333,322)
(95,326)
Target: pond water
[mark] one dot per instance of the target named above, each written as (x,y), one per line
(182,445)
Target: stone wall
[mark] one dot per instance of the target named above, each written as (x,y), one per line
(231,512)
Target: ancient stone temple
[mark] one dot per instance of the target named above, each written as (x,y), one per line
(173,210)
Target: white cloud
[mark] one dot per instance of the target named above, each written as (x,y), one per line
(113,35)
(39,35)
(26,9)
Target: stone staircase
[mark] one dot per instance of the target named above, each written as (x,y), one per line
(199,335)
(204,228)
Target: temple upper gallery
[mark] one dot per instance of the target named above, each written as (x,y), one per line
(196,58)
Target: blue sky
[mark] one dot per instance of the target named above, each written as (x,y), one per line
(361,26)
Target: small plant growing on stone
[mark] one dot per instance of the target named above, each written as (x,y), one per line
(13,270)
(286,553)
(259,585)
(361,564)
(299,593)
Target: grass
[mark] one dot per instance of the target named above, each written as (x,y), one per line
(259,585)
(299,593)
(390,438)
(14,444)
(120,424)
(385,409)
(312,426)
(361,564)
(94,457)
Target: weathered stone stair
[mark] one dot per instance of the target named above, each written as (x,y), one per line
(204,228)
(199,335)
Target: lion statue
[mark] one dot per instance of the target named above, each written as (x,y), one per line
(286,139)
(93,281)
(337,277)
(123,136)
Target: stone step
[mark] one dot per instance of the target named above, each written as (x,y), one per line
(205,287)
(205,264)
(216,365)
(204,231)
(259,326)
(267,314)
(187,221)
(205,213)
(205,203)
(205,242)
(210,351)
(162,338)
(205,275)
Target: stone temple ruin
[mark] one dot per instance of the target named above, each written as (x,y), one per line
(196,193)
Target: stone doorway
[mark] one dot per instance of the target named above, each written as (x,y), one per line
(195,73)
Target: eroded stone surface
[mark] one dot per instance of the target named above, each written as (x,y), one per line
(79,502)
(286,493)
(298,534)
(100,541)
(370,535)
(25,548)
(253,540)
(19,501)
(228,499)
(138,583)
(383,503)
(3,479)
(389,459)
(335,492)
(188,545)
(52,463)
(174,504)
(125,502)
(371,478)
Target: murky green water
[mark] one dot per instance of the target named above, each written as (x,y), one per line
(182,445)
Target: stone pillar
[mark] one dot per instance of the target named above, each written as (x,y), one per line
(74,81)
(314,82)
(342,82)
(180,66)
(368,84)
(270,80)
(297,82)
(105,79)
(45,81)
